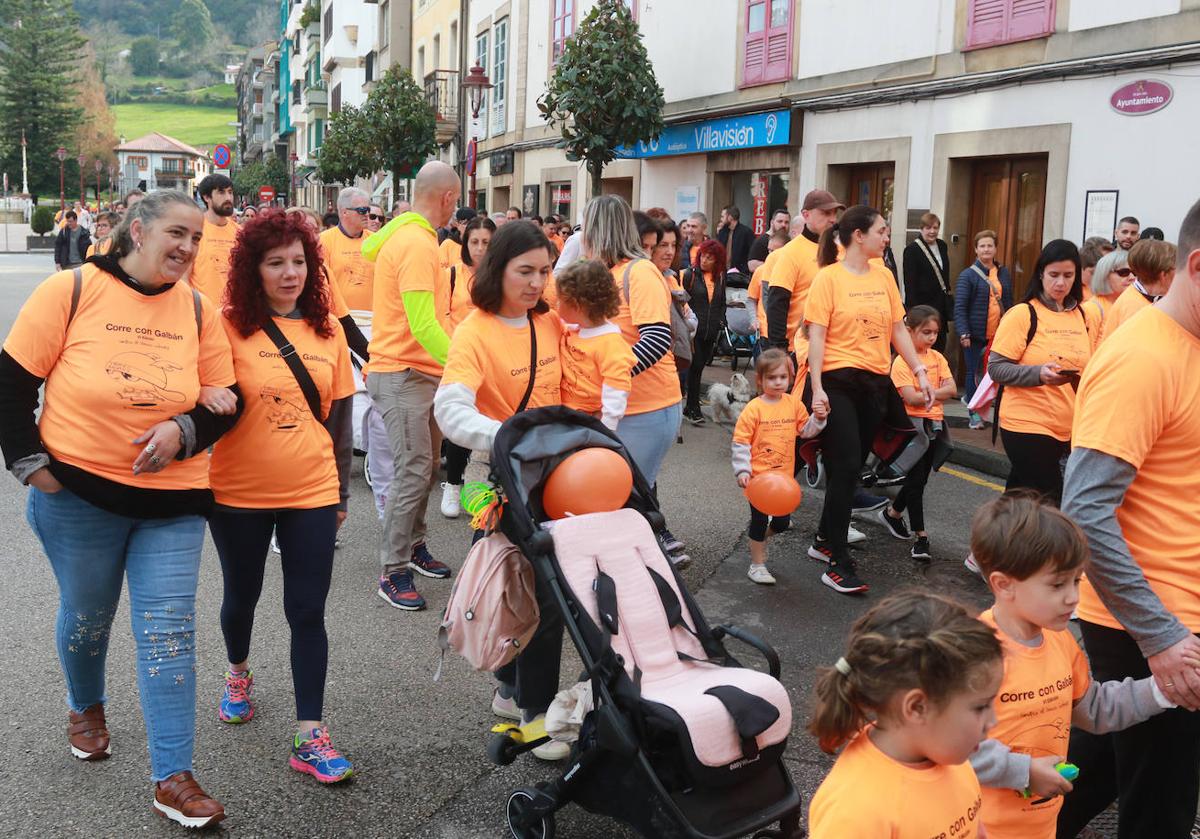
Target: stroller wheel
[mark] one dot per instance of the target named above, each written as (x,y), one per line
(518,804)
(501,749)
(814,473)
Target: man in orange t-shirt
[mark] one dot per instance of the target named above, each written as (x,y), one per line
(409,342)
(790,270)
(1133,485)
(341,247)
(210,272)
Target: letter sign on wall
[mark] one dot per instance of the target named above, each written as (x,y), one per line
(1145,96)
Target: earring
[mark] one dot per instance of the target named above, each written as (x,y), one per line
(138,244)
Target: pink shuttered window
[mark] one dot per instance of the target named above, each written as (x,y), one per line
(767,56)
(562,26)
(992,22)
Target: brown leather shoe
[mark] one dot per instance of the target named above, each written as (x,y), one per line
(88,733)
(180,799)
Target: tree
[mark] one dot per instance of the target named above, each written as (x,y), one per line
(96,136)
(346,151)
(401,125)
(106,39)
(270,171)
(40,48)
(143,56)
(192,26)
(603,93)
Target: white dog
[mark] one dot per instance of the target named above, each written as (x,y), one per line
(728,401)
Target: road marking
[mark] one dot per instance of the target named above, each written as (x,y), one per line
(972,479)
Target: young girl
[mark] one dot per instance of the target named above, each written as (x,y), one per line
(597,363)
(910,700)
(923,324)
(764,440)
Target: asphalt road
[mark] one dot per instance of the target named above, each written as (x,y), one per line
(417,746)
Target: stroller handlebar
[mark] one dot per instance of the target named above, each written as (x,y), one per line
(765,649)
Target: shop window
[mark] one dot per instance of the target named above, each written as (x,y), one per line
(141,163)
(560,199)
(992,22)
(767,54)
(562,27)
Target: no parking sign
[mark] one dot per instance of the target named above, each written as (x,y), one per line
(221,156)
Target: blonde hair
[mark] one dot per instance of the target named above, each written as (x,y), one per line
(1150,258)
(149,210)
(609,231)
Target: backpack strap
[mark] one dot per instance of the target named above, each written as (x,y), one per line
(625,278)
(198,307)
(452,277)
(1033,325)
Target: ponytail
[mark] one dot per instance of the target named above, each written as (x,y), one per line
(910,640)
(827,252)
(858,218)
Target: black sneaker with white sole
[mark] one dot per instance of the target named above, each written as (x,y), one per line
(671,542)
(841,578)
(920,549)
(895,526)
(865,502)
(820,550)
(694,417)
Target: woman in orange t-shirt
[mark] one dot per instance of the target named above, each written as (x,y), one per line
(1111,276)
(138,382)
(854,318)
(284,468)
(484,383)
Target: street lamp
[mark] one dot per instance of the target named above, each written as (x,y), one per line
(61,154)
(477,84)
(82,161)
(99,165)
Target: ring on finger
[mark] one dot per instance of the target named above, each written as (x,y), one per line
(155,459)
(151,448)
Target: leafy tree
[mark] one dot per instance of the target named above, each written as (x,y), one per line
(401,125)
(270,171)
(143,56)
(603,93)
(40,48)
(106,40)
(96,135)
(345,152)
(192,26)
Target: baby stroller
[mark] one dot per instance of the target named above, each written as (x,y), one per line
(682,741)
(738,339)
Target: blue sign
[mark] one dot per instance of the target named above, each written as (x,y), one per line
(751,131)
(221,156)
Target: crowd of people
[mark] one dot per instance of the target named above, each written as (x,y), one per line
(249,352)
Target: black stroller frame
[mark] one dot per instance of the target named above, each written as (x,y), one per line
(612,768)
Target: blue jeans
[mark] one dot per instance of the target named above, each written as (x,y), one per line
(973,355)
(90,552)
(649,437)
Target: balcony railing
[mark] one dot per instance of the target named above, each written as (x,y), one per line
(316,94)
(441,92)
(257,109)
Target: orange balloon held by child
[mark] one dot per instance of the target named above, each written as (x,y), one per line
(591,480)
(774,493)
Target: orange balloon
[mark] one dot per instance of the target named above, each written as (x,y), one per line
(774,493)
(590,481)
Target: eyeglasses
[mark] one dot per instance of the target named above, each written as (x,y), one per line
(1123,272)
(362,211)
(374,217)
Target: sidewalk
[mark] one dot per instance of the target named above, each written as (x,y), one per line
(12,238)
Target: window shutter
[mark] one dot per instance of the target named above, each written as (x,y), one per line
(778,48)
(1030,19)
(754,58)
(987,22)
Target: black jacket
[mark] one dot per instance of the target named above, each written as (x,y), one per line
(921,286)
(62,245)
(738,253)
(710,314)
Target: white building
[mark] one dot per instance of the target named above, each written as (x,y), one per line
(157,161)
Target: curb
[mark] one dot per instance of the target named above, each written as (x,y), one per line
(981,460)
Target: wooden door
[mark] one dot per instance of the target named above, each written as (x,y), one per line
(1008,195)
(872,184)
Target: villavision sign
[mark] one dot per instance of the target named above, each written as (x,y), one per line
(750,131)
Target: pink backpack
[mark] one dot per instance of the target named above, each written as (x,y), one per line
(493,609)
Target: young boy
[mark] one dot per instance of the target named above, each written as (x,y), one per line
(1032,556)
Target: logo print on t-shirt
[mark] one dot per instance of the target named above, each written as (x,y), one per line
(286,405)
(872,324)
(145,377)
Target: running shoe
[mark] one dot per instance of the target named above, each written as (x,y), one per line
(865,502)
(505,707)
(895,526)
(398,590)
(976,422)
(760,575)
(237,703)
(671,542)
(451,506)
(841,578)
(920,549)
(854,536)
(820,550)
(551,749)
(972,565)
(423,563)
(315,755)
(694,416)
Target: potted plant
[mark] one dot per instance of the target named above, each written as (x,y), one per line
(42,222)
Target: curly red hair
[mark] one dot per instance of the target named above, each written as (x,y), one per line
(245,302)
(713,248)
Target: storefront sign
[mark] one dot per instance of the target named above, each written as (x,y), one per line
(750,131)
(1145,96)
(472,156)
(687,201)
(560,199)
(501,162)
(759,187)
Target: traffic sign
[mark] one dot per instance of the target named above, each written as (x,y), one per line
(221,156)
(266,194)
(472,154)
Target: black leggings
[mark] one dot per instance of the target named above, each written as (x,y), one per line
(760,521)
(912,493)
(456,463)
(702,352)
(306,539)
(1037,463)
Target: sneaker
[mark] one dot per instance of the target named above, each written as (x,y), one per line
(423,563)
(895,526)
(87,733)
(180,799)
(679,560)
(841,578)
(275,543)
(760,575)
(854,536)
(505,708)
(316,756)
(398,590)
(976,422)
(694,416)
(551,749)
(920,549)
(237,706)
(865,502)
(972,565)
(820,550)
(451,506)
(671,543)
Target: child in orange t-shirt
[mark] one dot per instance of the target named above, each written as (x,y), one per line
(924,323)
(910,700)
(1032,557)
(597,363)
(764,440)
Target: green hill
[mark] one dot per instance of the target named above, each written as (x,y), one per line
(196,125)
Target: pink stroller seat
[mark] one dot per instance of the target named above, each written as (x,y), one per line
(726,716)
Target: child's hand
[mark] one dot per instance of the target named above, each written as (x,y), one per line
(743,479)
(1044,780)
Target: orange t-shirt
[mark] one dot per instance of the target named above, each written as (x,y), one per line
(937,370)
(1088,294)
(350,272)
(859,311)
(1128,303)
(996,291)
(490,356)
(794,267)
(770,430)
(210,271)
(592,358)
(279,456)
(408,261)
(450,252)
(1061,337)
(904,802)
(101,247)
(757,291)
(126,362)
(1033,716)
(460,293)
(1140,401)
(650,294)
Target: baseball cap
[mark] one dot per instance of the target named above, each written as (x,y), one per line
(821,199)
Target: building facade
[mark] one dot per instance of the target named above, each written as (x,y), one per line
(252,98)
(157,161)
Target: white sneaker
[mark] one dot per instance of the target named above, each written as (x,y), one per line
(505,708)
(760,575)
(551,749)
(972,565)
(451,506)
(854,536)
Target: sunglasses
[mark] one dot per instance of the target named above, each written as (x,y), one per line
(362,211)
(374,217)
(1123,272)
